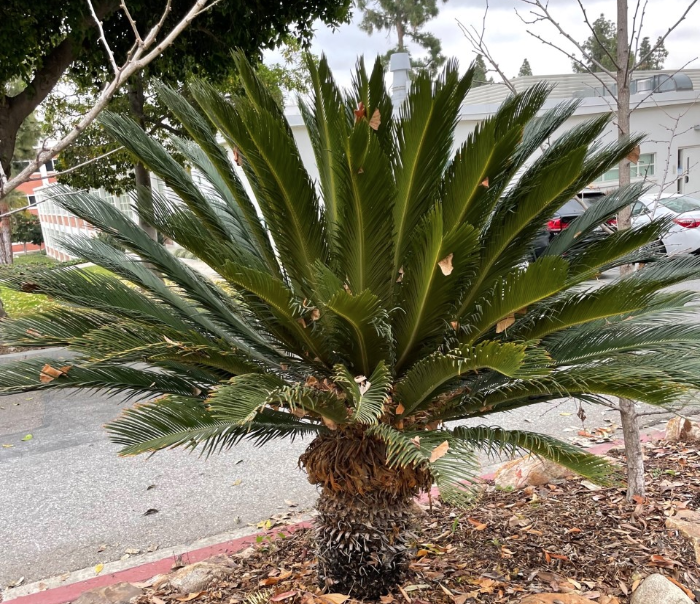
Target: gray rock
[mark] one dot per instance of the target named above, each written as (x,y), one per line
(119,593)
(197,577)
(657,589)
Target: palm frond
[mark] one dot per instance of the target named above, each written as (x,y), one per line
(366,394)
(499,442)
(425,131)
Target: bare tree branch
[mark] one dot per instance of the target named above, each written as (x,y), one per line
(103,39)
(76,167)
(662,39)
(476,39)
(136,61)
(137,35)
(545,15)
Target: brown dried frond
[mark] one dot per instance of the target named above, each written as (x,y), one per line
(351,462)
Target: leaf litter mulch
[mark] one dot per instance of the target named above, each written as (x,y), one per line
(570,537)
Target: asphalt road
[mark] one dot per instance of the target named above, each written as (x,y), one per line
(67,501)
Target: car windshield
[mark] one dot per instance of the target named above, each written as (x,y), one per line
(681,204)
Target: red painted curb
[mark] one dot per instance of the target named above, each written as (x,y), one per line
(68,593)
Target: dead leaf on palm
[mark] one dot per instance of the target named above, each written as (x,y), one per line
(49,374)
(364,386)
(505,323)
(439,451)
(315,314)
(330,424)
(485,182)
(633,155)
(446,264)
(360,112)
(376,120)
(400,409)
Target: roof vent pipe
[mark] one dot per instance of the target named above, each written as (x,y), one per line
(400,66)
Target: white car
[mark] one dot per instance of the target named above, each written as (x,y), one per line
(684,235)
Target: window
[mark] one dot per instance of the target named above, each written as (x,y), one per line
(639,208)
(643,168)
(681,204)
(49,166)
(31,199)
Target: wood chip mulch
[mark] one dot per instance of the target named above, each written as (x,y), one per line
(570,537)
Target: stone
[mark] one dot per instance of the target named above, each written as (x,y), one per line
(119,593)
(687,522)
(196,577)
(657,589)
(558,598)
(683,430)
(529,471)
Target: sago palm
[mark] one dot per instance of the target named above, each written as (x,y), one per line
(368,310)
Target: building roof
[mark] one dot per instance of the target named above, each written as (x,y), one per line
(566,86)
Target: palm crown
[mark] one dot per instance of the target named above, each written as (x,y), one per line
(395,294)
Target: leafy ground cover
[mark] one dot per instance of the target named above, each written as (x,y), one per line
(570,537)
(18,303)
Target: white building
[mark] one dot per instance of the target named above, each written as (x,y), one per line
(666,110)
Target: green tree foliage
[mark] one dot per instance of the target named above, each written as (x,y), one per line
(652,59)
(525,69)
(408,18)
(26,228)
(368,311)
(115,173)
(481,76)
(41,41)
(600,46)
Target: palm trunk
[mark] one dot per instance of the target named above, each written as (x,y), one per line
(361,542)
(364,512)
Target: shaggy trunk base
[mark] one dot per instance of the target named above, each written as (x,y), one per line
(361,543)
(364,512)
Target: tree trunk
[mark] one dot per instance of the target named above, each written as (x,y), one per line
(364,512)
(141,175)
(628,415)
(400,35)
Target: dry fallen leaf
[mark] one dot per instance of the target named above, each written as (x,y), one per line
(446,264)
(99,568)
(485,182)
(479,526)
(505,323)
(439,451)
(283,596)
(400,409)
(360,112)
(376,120)
(335,598)
(189,597)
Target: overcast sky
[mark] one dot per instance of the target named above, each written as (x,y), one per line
(507,37)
